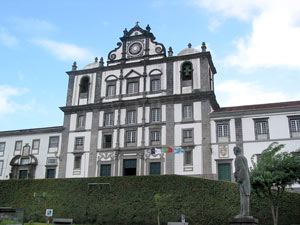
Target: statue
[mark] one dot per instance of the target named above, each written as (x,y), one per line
(242,176)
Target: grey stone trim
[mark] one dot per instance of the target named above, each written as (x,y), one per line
(204,74)
(239,132)
(70,90)
(170,158)
(206,143)
(170,77)
(64,147)
(93,145)
(83,130)
(188,122)
(254,112)
(43,130)
(197,96)
(171,59)
(98,87)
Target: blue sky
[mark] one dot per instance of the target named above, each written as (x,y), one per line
(254,43)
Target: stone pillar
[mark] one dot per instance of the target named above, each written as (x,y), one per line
(170,125)
(239,133)
(206,145)
(64,147)
(204,74)
(70,90)
(93,144)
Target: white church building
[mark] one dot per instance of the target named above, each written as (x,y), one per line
(146,98)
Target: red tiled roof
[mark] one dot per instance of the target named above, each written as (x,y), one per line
(259,106)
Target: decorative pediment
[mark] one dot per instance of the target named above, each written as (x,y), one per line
(155,72)
(136,43)
(132,74)
(111,78)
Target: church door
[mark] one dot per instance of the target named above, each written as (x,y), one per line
(105,170)
(154,168)
(129,168)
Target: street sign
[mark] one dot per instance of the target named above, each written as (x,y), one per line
(49,212)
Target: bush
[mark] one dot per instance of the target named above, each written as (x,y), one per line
(131,200)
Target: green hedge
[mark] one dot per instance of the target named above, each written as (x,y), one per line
(131,200)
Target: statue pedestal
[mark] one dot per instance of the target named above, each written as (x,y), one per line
(246,220)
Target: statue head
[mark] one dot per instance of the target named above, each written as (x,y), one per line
(237,150)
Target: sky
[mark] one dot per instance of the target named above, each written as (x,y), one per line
(255,47)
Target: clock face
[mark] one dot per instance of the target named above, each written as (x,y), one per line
(135,48)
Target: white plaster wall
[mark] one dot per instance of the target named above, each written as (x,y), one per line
(101,118)
(213,131)
(279,127)
(85,155)
(177,113)
(88,120)
(147,136)
(163,113)
(178,133)
(248,129)
(196,166)
(115,136)
(163,135)
(139,114)
(232,130)
(147,114)
(123,116)
(99,145)
(116,117)
(122,136)
(139,136)
(197,111)
(73,122)
(41,156)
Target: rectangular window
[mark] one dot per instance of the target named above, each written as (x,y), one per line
(105,170)
(36,144)
(79,143)
(77,162)
(107,141)
(261,129)
(2,148)
(80,121)
(18,147)
(187,112)
(188,157)
(155,85)
(223,131)
(53,142)
(188,136)
(295,126)
(108,119)
(131,117)
(1,167)
(111,90)
(133,87)
(50,173)
(155,137)
(155,115)
(131,136)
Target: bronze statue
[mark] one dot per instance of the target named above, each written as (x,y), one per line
(242,176)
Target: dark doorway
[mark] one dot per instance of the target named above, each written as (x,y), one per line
(224,171)
(129,167)
(23,174)
(154,168)
(105,170)
(50,173)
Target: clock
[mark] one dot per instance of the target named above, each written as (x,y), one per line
(135,48)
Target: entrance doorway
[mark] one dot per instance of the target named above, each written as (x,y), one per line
(105,170)
(224,171)
(23,174)
(129,167)
(154,168)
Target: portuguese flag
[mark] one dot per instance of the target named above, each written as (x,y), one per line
(167,149)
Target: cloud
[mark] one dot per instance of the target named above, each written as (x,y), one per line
(7,101)
(7,39)
(33,25)
(65,51)
(275,33)
(234,92)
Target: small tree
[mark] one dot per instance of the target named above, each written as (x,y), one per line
(273,173)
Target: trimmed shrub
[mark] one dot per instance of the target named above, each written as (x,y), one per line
(131,200)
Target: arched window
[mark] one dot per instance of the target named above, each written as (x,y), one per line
(84,87)
(187,71)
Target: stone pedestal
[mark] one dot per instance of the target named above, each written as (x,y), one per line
(247,220)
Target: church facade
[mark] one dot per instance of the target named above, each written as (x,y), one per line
(146,112)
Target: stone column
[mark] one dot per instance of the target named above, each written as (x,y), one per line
(93,144)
